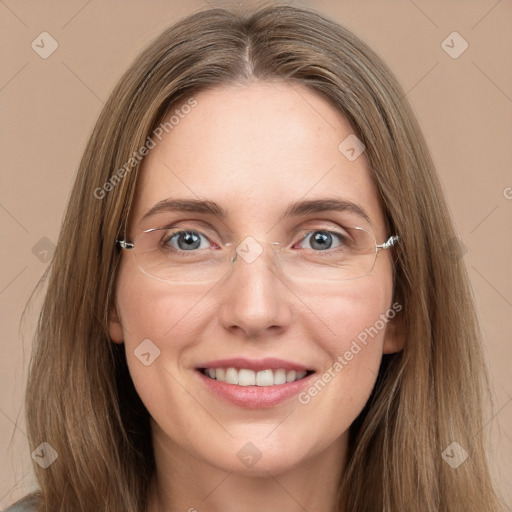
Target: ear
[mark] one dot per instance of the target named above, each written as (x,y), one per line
(396,335)
(114,325)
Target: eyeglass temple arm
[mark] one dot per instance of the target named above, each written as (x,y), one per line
(390,242)
(124,244)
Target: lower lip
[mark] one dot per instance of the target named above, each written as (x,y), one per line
(255,397)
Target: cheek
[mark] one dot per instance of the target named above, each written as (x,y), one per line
(160,324)
(161,327)
(354,309)
(357,319)
(155,310)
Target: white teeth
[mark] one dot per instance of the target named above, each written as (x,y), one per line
(231,376)
(279,376)
(265,378)
(290,376)
(245,377)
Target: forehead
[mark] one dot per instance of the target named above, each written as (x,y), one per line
(254,149)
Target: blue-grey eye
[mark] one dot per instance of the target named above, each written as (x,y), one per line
(185,240)
(322,240)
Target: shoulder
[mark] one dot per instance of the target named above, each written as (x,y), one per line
(26,504)
(21,508)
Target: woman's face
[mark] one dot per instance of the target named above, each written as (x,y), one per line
(254,150)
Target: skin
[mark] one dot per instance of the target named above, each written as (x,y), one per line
(253,149)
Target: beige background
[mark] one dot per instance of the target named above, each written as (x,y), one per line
(48,108)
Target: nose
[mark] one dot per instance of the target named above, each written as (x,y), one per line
(255,299)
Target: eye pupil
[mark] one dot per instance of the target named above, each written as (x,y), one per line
(190,238)
(321,240)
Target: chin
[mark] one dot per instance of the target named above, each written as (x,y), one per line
(259,457)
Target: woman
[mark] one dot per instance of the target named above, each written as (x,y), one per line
(250,306)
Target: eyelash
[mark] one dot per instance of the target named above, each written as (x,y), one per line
(168,237)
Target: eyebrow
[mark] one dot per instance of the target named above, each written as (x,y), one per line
(296,209)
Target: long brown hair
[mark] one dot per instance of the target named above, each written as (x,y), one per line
(80,397)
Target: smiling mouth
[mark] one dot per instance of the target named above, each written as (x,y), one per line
(246,377)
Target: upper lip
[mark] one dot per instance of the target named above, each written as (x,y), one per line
(268,363)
